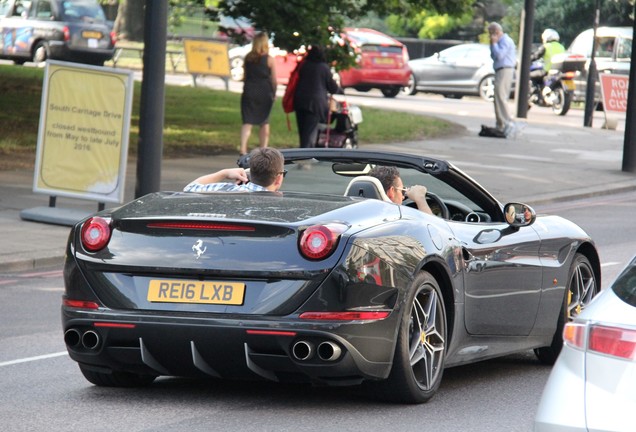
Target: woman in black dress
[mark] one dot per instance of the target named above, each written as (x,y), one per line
(259,91)
(311,99)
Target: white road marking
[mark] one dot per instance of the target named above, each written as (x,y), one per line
(609,264)
(30,359)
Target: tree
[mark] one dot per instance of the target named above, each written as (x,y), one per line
(571,17)
(296,23)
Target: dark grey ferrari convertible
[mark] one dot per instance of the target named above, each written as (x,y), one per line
(324,282)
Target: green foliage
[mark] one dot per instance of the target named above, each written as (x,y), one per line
(426,24)
(571,17)
(298,23)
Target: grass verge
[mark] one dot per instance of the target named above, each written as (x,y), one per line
(198,121)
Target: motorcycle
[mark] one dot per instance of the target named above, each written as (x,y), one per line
(548,90)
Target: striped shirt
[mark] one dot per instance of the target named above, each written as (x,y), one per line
(223,187)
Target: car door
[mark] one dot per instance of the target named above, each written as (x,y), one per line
(502,277)
(15,30)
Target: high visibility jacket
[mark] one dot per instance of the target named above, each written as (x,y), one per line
(551,48)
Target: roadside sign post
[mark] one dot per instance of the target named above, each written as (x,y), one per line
(614,89)
(204,57)
(83,135)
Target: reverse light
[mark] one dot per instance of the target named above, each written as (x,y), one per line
(95,234)
(319,241)
(80,304)
(345,316)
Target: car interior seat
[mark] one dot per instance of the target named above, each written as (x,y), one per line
(367,187)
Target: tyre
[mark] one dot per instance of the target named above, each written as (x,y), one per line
(420,350)
(116,378)
(410,88)
(391,92)
(236,69)
(581,288)
(40,52)
(487,88)
(561,102)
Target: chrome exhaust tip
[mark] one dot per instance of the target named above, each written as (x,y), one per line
(90,339)
(329,351)
(303,350)
(72,337)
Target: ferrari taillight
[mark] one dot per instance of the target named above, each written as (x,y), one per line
(95,234)
(319,241)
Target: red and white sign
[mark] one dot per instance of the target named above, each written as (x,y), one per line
(614,92)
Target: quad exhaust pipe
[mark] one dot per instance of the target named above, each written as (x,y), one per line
(303,350)
(89,339)
(329,351)
(326,351)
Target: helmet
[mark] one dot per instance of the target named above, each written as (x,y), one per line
(549,35)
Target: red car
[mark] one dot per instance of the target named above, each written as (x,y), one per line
(382,62)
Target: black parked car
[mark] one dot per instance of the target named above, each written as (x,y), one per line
(613,55)
(69,30)
(326,281)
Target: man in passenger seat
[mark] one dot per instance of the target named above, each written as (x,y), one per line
(394,188)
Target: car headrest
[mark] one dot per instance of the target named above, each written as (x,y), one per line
(367,187)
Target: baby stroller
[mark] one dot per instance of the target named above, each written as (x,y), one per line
(344,134)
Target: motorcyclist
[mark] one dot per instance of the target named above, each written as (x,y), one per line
(548,49)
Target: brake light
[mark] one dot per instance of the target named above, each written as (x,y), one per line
(345,316)
(319,241)
(569,75)
(95,234)
(67,33)
(201,226)
(405,55)
(80,304)
(613,341)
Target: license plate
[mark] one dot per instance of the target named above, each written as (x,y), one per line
(569,84)
(92,34)
(187,291)
(383,60)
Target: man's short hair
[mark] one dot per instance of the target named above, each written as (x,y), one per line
(494,27)
(386,175)
(265,164)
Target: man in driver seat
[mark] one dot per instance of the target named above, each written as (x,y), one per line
(394,188)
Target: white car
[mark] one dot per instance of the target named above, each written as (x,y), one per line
(592,386)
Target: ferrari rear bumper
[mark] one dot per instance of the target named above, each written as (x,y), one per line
(327,353)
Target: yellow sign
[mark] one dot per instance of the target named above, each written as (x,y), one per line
(206,57)
(83,133)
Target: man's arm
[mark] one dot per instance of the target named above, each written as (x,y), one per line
(235,175)
(417,194)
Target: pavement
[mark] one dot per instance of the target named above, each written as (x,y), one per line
(544,163)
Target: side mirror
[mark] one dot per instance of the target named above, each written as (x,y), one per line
(519,215)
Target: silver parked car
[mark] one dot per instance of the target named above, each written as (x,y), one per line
(461,70)
(592,385)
